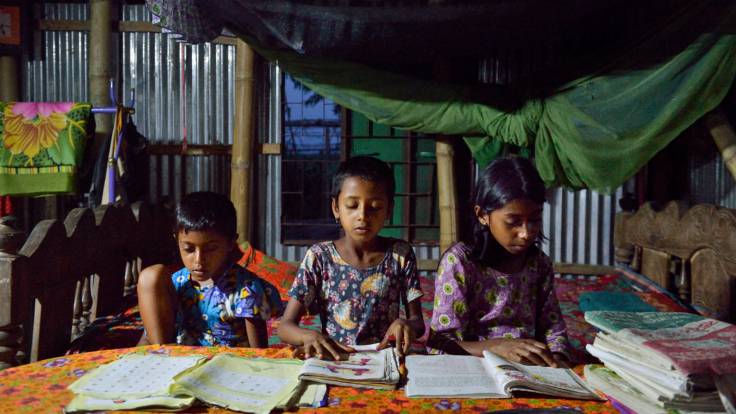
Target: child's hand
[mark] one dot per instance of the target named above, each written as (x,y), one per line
(525,351)
(402,333)
(323,347)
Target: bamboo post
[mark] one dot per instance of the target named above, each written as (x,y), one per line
(724,136)
(9,78)
(447,192)
(242,152)
(100,39)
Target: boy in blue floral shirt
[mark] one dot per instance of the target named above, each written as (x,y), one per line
(212,300)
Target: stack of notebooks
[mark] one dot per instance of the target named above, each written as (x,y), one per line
(459,376)
(368,368)
(659,362)
(257,385)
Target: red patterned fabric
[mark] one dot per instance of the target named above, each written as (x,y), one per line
(41,387)
(278,273)
(6,206)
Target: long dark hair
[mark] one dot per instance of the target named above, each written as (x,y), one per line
(502,181)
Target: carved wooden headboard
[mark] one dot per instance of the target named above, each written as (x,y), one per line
(690,251)
(67,273)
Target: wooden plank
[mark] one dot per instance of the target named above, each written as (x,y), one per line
(122,27)
(270,149)
(582,269)
(192,150)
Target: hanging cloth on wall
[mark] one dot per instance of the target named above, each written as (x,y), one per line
(121,166)
(41,146)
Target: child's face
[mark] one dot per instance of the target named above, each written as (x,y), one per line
(204,253)
(515,226)
(362,208)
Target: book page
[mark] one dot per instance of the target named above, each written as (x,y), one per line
(359,366)
(243,384)
(557,381)
(134,376)
(449,376)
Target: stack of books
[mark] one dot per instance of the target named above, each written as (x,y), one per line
(658,362)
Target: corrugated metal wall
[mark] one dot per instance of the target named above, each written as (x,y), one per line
(62,73)
(180,90)
(710,182)
(579,226)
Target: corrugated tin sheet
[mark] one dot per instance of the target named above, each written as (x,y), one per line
(62,73)
(172,82)
(579,226)
(181,91)
(711,182)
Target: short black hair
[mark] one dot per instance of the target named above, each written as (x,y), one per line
(367,168)
(205,210)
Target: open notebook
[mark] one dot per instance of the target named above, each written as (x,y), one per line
(460,376)
(168,383)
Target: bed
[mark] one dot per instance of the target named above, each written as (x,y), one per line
(676,259)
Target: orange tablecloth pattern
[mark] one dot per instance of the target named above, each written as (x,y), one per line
(41,388)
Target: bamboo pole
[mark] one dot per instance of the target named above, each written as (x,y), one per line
(9,78)
(447,192)
(724,136)
(100,62)
(242,153)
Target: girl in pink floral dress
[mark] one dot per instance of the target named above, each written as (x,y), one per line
(497,293)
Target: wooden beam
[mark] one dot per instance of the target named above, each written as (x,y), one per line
(242,155)
(192,149)
(9,78)
(122,26)
(447,192)
(724,136)
(271,149)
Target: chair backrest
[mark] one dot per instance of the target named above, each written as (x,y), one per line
(68,273)
(691,251)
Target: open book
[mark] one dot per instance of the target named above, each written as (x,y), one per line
(367,368)
(459,376)
(161,382)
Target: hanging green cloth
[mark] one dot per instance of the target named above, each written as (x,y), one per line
(595,132)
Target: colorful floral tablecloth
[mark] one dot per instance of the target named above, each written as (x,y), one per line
(41,388)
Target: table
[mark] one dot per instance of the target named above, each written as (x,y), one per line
(41,388)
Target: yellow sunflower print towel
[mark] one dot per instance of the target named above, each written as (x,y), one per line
(41,146)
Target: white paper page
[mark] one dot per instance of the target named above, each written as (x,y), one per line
(449,375)
(359,366)
(232,383)
(134,375)
(507,372)
(364,348)
(557,377)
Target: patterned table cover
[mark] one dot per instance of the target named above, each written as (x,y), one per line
(41,388)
